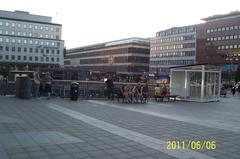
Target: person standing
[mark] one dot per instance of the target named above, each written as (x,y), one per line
(233,89)
(47,78)
(37,80)
(110,88)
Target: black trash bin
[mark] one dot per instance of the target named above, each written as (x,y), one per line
(23,87)
(74,91)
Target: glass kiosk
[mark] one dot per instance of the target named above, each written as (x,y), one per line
(200,83)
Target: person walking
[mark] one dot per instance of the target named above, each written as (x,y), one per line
(233,89)
(157,92)
(145,92)
(36,80)
(47,78)
(110,88)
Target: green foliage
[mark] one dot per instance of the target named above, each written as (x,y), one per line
(237,75)
(5,69)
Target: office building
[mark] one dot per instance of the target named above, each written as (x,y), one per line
(128,56)
(173,47)
(29,41)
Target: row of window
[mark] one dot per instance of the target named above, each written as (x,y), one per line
(226,47)
(172,47)
(172,62)
(173,39)
(30,50)
(29,34)
(28,26)
(226,28)
(29,58)
(31,42)
(173,54)
(175,31)
(220,38)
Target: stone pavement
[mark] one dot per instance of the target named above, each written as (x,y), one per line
(60,128)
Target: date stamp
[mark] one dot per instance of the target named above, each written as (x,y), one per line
(191,145)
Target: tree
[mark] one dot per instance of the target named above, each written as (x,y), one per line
(5,69)
(237,75)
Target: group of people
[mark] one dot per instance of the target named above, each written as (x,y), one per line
(134,93)
(45,80)
(233,87)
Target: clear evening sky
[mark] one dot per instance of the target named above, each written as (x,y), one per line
(88,22)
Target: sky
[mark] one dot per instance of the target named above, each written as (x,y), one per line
(86,22)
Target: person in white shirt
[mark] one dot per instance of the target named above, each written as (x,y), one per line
(36,80)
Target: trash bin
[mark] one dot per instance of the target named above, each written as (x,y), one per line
(23,87)
(74,91)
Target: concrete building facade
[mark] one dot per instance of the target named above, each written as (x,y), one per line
(28,41)
(121,56)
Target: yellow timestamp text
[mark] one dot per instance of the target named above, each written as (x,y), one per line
(191,145)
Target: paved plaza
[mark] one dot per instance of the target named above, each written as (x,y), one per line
(63,129)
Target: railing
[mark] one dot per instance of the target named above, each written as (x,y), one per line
(61,88)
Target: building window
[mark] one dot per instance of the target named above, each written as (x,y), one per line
(231,37)
(6,57)
(36,27)
(57,37)
(42,50)
(57,59)
(24,58)
(42,59)
(1,23)
(53,51)
(0,31)
(1,57)
(52,59)
(58,51)
(30,42)
(36,50)
(19,57)
(36,42)
(231,27)
(13,24)
(30,34)
(47,51)
(235,36)
(6,32)
(18,33)
(7,24)
(41,28)
(227,28)
(13,49)
(30,58)
(19,25)
(24,33)
(13,40)
(47,59)
(30,50)
(30,26)
(6,48)
(13,33)
(236,27)
(57,29)
(1,39)
(19,41)
(47,43)
(208,30)
(36,58)
(25,49)
(24,26)
(13,57)
(41,35)
(235,46)
(19,49)
(24,41)
(46,28)
(223,29)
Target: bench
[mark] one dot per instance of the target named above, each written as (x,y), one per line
(168,97)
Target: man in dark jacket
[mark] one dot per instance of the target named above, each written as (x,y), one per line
(110,88)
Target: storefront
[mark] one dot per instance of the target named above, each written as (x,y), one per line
(200,83)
